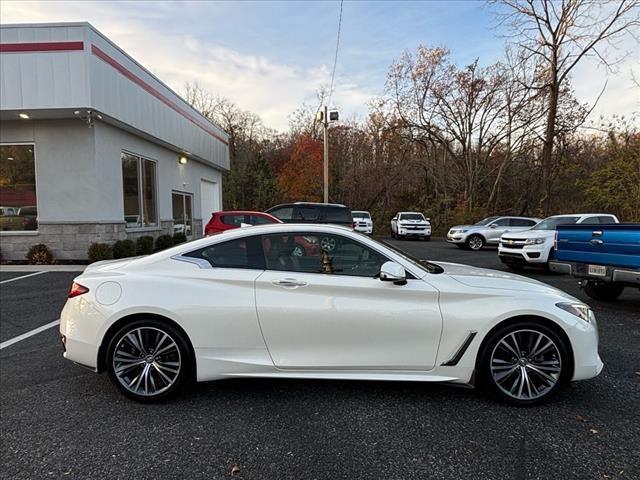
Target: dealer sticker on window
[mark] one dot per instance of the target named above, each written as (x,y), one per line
(597,270)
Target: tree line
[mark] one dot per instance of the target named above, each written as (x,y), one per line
(459,142)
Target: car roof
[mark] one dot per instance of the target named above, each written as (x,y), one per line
(241,212)
(310,204)
(581,215)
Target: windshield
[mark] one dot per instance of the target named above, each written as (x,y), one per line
(552,223)
(411,216)
(422,264)
(486,221)
(361,215)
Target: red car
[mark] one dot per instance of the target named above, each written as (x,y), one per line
(221,221)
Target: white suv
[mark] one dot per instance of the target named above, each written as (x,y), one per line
(362,222)
(535,246)
(487,231)
(410,224)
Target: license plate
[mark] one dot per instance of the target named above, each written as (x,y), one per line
(597,270)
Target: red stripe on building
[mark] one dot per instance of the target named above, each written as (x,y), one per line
(41,47)
(168,102)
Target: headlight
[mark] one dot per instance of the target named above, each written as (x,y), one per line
(463,231)
(534,241)
(579,310)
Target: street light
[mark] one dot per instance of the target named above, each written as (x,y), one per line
(325,117)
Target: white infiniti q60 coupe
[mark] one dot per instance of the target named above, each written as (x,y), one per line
(321,301)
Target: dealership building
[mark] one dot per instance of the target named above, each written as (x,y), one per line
(94,147)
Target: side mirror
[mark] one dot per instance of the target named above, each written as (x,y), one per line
(392,272)
(493,225)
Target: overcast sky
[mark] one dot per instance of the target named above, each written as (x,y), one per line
(270,57)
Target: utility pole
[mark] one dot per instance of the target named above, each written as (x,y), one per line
(325,166)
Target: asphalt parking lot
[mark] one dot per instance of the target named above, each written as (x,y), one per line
(61,421)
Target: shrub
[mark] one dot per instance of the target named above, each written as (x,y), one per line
(100,251)
(39,254)
(163,242)
(144,245)
(124,248)
(179,238)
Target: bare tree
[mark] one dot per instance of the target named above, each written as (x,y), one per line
(561,34)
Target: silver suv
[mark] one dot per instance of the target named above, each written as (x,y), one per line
(487,231)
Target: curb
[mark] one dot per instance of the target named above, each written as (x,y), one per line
(42,268)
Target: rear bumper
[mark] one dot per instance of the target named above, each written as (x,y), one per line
(619,275)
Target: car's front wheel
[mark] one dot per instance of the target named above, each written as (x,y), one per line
(475,242)
(524,363)
(148,360)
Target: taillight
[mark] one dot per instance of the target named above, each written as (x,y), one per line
(77,289)
(353,225)
(555,240)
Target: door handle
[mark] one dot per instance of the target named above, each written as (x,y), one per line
(289,282)
(595,241)
(597,233)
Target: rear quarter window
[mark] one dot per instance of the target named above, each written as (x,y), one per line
(337,214)
(240,253)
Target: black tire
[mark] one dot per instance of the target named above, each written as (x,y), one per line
(475,242)
(607,292)
(180,354)
(545,389)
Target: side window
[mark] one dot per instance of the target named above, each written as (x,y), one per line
(320,253)
(337,214)
(502,222)
(591,220)
(233,220)
(308,214)
(522,222)
(258,220)
(606,220)
(239,253)
(284,213)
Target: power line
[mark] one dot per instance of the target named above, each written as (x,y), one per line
(335,58)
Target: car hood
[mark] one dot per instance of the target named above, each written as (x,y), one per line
(460,227)
(530,234)
(495,279)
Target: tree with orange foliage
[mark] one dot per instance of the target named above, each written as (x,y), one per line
(300,178)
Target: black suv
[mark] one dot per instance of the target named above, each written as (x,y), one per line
(308,212)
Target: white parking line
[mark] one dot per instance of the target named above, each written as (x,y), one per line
(21,277)
(30,333)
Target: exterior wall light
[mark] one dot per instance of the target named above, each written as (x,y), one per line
(24,116)
(182,160)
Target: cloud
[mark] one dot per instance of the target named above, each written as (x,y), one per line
(257,83)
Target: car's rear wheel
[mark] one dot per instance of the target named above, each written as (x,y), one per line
(475,242)
(607,292)
(524,363)
(148,360)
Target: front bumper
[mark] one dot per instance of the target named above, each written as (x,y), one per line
(364,229)
(456,237)
(529,254)
(414,232)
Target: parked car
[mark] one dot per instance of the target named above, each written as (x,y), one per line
(239,304)
(310,212)
(534,247)
(410,224)
(606,258)
(23,218)
(9,211)
(362,222)
(487,231)
(227,220)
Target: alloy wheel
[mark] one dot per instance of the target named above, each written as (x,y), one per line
(328,244)
(475,242)
(526,364)
(146,361)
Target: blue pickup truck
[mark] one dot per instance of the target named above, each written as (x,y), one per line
(606,258)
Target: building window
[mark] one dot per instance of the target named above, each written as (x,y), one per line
(139,191)
(182,205)
(18,205)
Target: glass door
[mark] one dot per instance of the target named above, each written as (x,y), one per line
(182,213)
